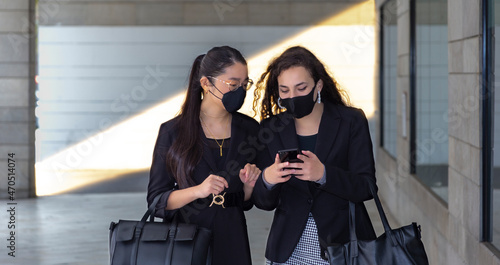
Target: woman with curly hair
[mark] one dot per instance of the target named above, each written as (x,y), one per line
(302,107)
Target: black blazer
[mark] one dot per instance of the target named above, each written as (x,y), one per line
(344,147)
(228,225)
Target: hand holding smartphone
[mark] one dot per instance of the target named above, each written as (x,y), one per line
(290,155)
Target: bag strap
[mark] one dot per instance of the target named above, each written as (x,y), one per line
(140,226)
(151,210)
(352,229)
(352,220)
(381,212)
(171,238)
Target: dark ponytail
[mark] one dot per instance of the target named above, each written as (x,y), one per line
(186,151)
(187,148)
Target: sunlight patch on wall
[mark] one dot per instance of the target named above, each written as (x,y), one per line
(359,14)
(100,155)
(348,51)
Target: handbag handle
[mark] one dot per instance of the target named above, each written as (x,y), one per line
(138,231)
(151,210)
(381,212)
(171,235)
(383,218)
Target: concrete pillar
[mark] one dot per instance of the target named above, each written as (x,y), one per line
(17,98)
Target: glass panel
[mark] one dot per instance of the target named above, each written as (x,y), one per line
(389,61)
(496,129)
(432,94)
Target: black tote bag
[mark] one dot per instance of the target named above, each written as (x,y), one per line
(400,246)
(155,243)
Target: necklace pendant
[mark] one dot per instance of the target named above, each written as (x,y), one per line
(221,151)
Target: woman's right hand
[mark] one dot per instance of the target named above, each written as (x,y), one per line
(276,173)
(212,184)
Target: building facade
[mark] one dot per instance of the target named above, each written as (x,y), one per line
(436,125)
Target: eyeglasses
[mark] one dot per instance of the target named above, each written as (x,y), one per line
(233,85)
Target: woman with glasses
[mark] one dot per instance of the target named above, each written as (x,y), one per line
(202,162)
(303,108)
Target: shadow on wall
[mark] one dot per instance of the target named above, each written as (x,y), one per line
(98,123)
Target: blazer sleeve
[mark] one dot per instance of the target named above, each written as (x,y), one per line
(352,184)
(160,179)
(251,148)
(264,198)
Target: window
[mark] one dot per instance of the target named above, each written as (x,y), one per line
(496,127)
(388,76)
(491,124)
(431,94)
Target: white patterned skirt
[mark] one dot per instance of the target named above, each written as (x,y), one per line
(307,251)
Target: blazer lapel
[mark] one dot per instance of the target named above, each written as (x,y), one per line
(288,135)
(237,136)
(328,129)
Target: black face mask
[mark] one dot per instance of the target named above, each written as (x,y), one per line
(300,106)
(232,100)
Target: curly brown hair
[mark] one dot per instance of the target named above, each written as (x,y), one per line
(267,86)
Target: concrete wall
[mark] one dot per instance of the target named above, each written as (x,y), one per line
(17,96)
(98,120)
(450,231)
(192,12)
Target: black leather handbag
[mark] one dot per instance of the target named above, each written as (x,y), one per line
(400,246)
(154,243)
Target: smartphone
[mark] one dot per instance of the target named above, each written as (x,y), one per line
(290,155)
